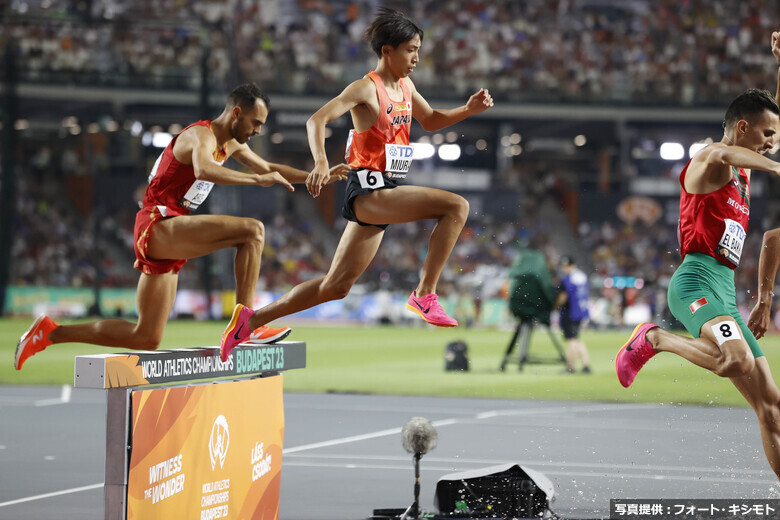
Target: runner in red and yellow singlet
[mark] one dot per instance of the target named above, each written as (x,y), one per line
(714,212)
(166,235)
(381,105)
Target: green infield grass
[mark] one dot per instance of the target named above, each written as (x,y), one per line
(396,360)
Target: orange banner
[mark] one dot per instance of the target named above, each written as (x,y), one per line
(207,452)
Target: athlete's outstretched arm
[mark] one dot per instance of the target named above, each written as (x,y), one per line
(436,119)
(196,145)
(257,164)
(356,93)
(739,156)
(768,263)
(776,52)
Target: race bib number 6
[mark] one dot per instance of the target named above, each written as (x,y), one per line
(370,179)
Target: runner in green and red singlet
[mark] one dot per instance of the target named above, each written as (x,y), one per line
(714,213)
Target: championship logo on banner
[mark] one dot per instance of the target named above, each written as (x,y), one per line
(207,452)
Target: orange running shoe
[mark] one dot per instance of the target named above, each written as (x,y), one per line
(265,335)
(34,340)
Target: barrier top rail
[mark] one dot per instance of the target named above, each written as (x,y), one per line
(140,368)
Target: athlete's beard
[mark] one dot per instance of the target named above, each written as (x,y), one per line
(241,138)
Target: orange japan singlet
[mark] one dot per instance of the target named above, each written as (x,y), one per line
(385,146)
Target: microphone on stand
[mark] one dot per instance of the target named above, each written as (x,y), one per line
(418,437)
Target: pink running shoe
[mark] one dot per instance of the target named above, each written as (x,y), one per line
(634,354)
(265,335)
(34,340)
(428,308)
(236,332)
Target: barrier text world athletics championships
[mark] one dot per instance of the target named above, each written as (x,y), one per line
(166,366)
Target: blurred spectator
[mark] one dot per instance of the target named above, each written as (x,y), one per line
(632,52)
(573,303)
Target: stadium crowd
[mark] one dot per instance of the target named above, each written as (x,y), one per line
(634,52)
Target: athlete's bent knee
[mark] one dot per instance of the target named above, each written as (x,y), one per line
(335,289)
(736,365)
(255,231)
(460,208)
(143,341)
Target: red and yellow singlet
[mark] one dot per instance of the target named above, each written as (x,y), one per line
(173,190)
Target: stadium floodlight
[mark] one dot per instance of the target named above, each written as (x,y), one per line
(449,152)
(161,139)
(422,151)
(136,128)
(672,151)
(695,147)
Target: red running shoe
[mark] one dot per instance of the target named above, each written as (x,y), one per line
(634,354)
(34,340)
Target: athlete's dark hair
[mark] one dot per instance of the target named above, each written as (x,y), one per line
(392,28)
(245,96)
(749,106)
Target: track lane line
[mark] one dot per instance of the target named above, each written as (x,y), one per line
(52,494)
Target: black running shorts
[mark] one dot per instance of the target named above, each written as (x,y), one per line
(363,182)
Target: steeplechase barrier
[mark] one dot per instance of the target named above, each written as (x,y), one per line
(181,443)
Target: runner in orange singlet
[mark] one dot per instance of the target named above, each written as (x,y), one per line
(381,105)
(166,235)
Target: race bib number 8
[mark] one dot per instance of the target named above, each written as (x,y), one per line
(725,331)
(730,244)
(370,179)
